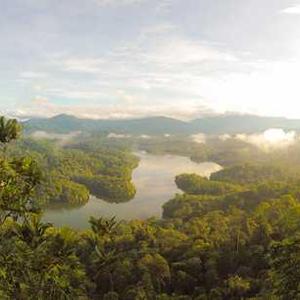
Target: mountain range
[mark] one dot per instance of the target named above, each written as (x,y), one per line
(220,124)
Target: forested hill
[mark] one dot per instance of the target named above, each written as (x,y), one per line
(163,125)
(67,123)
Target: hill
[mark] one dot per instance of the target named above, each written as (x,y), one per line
(242,124)
(162,125)
(66,123)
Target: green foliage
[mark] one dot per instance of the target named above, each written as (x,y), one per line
(9,130)
(69,192)
(247,174)
(285,267)
(72,173)
(111,189)
(237,287)
(197,185)
(233,237)
(18,181)
(37,264)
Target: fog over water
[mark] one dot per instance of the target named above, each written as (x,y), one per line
(154,181)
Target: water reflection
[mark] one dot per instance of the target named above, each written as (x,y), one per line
(154,181)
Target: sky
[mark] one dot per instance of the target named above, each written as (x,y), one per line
(136,58)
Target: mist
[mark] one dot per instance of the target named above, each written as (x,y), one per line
(61,138)
(199,138)
(271,139)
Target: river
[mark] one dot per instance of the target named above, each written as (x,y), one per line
(154,181)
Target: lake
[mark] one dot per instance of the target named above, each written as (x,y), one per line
(155,185)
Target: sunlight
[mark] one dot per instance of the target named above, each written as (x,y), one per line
(270,88)
(276,136)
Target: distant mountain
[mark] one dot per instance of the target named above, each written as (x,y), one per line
(161,125)
(242,124)
(66,123)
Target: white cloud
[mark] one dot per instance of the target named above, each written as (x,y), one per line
(79,93)
(158,29)
(271,139)
(117,2)
(268,88)
(32,75)
(199,138)
(225,137)
(62,139)
(150,54)
(118,136)
(178,51)
(127,98)
(41,101)
(85,65)
(164,6)
(59,136)
(43,107)
(293,10)
(145,136)
(161,69)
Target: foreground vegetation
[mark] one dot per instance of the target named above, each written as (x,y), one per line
(231,237)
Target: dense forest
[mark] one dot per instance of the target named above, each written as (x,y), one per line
(235,236)
(72,173)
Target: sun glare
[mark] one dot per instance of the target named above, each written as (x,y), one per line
(275,136)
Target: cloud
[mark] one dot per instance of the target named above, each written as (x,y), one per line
(267,88)
(81,94)
(145,136)
(117,2)
(159,53)
(157,70)
(225,137)
(32,75)
(41,107)
(127,98)
(62,139)
(160,68)
(41,101)
(158,29)
(85,65)
(271,139)
(199,138)
(118,136)
(153,57)
(292,10)
(179,51)
(164,6)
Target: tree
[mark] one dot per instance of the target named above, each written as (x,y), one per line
(237,288)
(9,130)
(35,263)
(286,268)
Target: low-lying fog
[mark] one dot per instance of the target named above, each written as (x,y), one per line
(271,139)
(61,138)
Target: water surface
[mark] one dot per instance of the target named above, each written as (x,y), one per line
(154,181)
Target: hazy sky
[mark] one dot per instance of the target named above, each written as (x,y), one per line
(123,58)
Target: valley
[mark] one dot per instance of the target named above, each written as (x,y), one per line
(154,180)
